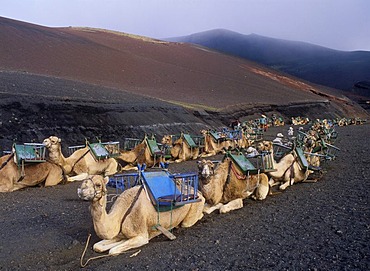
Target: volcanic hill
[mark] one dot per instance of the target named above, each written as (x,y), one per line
(324,66)
(85,83)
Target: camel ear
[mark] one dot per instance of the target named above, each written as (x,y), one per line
(59,140)
(106,180)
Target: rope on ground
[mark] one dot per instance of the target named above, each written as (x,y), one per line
(92,258)
(101,256)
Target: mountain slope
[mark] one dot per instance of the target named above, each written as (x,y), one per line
(83,83)
(336,69)
(170,71)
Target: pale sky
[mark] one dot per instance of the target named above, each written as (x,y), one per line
(336,24)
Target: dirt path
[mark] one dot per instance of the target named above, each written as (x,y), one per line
(315,226)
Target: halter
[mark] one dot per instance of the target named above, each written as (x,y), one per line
(205,178)
(96,192)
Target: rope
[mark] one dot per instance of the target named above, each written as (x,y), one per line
(100,256)
(7,160)
(92,258)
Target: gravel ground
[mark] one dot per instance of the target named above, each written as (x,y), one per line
(310,226)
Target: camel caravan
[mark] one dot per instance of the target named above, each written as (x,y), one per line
(218,185)
(150,199)
(44,164)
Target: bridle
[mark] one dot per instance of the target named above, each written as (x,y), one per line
(205,180)
(96,191)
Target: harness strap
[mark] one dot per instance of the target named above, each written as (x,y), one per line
(128,211)
(7,161)
(79,159)
(23,174)
(240,177)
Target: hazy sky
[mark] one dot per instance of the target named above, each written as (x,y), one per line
(337,24)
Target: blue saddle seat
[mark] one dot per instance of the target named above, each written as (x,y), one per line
(163,190)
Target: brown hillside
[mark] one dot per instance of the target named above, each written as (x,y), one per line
(81,83)
(169,71)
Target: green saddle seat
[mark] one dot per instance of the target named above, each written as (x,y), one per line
(99,151)
(29,153)
(189,141)
(243,163)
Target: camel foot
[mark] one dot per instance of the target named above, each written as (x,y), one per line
(232,205)
(209,209)
(274,193)
(283,186)
(272,182)
(311,181)
(79,177)
(123,246)
(105,245)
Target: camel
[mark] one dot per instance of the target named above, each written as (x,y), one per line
(212,147)
(141,154)
(180,149)
(288,170)
(300,121)
(132,220)
(81,163)
(11,178)
(225,186)
(244,142)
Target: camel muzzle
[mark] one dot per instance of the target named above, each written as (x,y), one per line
(85,195)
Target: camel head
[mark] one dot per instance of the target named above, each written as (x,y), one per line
(206,170)
(204,132)
(52,142)
(93,188)
(265,146)
(167,140)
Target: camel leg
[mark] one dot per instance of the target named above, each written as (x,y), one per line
(232,205)
(262,190)
(105,245)
(112,168)
(79,177)
(285,185)
(16,186)
(134,242)
(54,177)
(207,154)
(272,182)
(129,167)
(209,209)
(195,214)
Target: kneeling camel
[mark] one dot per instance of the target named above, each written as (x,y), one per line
(180,149)
(131,221)
(288,170)
(11,178)
(81,163)
(225,186)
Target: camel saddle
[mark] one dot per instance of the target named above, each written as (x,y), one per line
(189,141)
(162,189)
(243,163)
(29,152)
